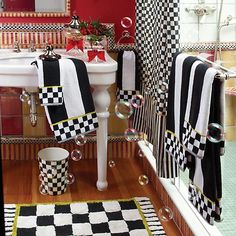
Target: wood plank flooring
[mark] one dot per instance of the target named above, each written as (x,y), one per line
(20,182)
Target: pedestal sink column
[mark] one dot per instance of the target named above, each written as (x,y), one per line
(102,102)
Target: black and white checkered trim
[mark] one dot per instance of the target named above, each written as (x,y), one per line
(175,149)
(9,216)
(51,96)
(31,27)
(150,215)
(204,205)
(126,95)
(68,129)
(53,176)
(194,142)
(111,217)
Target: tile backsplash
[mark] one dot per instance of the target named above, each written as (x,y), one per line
(195,28)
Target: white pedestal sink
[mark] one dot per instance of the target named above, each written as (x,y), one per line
(16,71)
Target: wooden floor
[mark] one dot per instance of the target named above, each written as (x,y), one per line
(20,182)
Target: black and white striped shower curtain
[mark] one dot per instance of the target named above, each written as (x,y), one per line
(157,39)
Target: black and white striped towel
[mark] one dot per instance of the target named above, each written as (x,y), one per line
(77,113)
(127,80)
(198,108)
(196,99)
(177,102)
(50,88)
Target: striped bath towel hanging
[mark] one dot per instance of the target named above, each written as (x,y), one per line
(196,99)
(177,102)
(76,115)
(205,105)
(127,80)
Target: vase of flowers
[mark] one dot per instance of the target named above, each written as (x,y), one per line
(93,33)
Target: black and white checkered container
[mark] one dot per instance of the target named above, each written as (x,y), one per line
(53,166)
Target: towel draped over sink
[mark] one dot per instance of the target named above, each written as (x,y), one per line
(66,96)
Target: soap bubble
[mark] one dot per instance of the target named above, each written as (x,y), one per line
(42,176)
(147,91)
(215,133)
(111,163)
(126,22)
(42,190)
(165,214)
(76,155)
(143,180)
(123,110)
(137,101)
(52,172)
(70,178)
(163,88)
(24,97)
(131,135)
(80,139)
(140,153)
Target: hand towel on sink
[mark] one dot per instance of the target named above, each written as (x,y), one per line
(127,80)
(50,87)
(77,113)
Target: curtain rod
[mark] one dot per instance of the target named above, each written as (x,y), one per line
(228,74)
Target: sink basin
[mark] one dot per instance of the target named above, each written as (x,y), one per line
(16,69)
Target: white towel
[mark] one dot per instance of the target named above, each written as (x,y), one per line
(77,113)
(127,80)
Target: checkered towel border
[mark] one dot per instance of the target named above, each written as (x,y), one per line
(126,95)
(175,149)
(51,96)
(53,176)
(123,217)
(68,129)
(204,205)
(194,142)
(9,216)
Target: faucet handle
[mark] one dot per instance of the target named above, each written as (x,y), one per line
(16,46)
(32,47)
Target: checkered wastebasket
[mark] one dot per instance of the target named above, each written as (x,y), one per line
(53,167)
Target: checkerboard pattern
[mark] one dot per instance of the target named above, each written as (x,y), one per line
(126,95)
(111,217)
(53,176)
(176,150)
(51,96)
(193,141)
(204,205)
(68,129)
(157,40)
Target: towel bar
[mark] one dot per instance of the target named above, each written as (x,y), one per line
(227,74)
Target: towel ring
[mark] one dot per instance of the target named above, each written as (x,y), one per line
(125,35)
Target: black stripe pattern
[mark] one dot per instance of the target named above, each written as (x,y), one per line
(76,115)
(195,100)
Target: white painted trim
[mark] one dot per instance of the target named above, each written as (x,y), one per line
(196,223)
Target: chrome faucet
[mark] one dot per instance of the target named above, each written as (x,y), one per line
(16,46)
(32,47)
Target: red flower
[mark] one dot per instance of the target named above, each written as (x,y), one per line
(83,31)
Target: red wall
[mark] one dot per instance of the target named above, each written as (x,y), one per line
(19,5)
(108,11)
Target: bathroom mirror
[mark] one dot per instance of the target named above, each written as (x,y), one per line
(34,8)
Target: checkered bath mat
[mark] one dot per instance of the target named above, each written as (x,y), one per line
(135,217)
